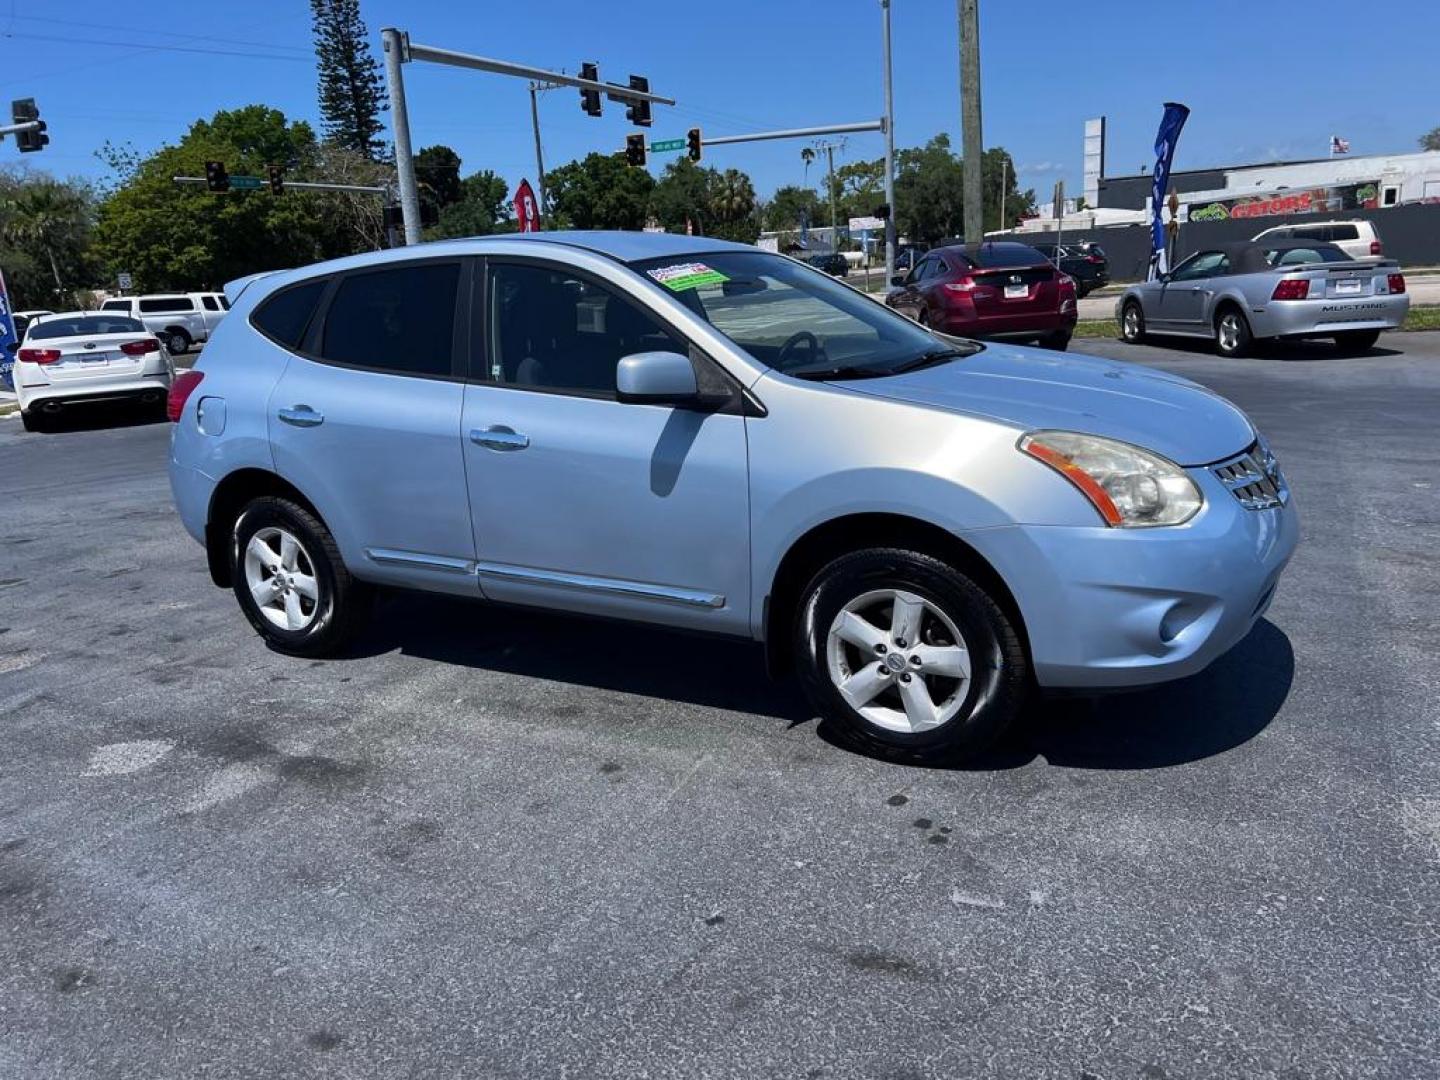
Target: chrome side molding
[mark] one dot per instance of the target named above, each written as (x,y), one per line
(609,586)
(424,562)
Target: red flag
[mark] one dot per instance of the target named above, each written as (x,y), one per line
(527,210)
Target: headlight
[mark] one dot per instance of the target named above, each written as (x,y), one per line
(1130,487)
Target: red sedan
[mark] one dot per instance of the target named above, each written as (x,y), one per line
(991,290)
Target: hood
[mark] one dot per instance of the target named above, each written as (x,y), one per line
(1035,389)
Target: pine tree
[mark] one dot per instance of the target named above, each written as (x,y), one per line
(351,91)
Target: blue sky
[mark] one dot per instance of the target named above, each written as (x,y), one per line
(747,65)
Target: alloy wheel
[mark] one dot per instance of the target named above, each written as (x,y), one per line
(1229,332)
(898,660)
(1132,322)
(281,579)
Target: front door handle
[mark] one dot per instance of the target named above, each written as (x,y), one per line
(499,438)
(301,416)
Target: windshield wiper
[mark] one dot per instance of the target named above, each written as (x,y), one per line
(930,359)
(822,374)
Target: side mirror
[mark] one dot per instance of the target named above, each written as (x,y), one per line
(898,280)
(656,378)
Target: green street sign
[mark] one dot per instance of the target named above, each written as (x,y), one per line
(246,183)
(667,144)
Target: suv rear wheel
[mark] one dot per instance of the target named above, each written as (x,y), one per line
(291,582)
(177,342)
(906,656)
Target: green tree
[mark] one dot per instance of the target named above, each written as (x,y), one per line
(599,192)
(1431,139)
(351,91)
(483,208)
(859,188)
(437,171)
(45,229)
(682,196)
(731,203)
(786,206)
(171,237)
(928,192)
(996,168)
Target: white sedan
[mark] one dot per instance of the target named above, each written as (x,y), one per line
(84,357)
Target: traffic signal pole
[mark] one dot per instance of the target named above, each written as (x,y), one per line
(796,133)
(890,227)
(394,44)
(300,185)
(399,49)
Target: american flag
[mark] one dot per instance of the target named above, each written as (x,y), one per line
(1339,145)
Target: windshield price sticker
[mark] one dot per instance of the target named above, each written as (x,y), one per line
(684,276)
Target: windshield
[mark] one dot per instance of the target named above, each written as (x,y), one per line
(797,320)
(80,325)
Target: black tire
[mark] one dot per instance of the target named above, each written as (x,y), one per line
(1240,343)
(1059,341)
(342,604)
(999,669)
(923,318)
(177,342)
(1357,340)
(1132,333)
(32,421)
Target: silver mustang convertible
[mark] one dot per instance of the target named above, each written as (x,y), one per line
(697,434)
(1237,294)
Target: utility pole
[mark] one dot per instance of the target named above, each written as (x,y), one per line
(973,143)
(395,43)
(539,158)
(889,119)
(829,148)
(1004,184)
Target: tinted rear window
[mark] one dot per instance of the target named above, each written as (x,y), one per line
(86,324)
(1295,256)
(992,255)
(400,320)
(167,303)
(1343,232)
(115,305)
(210,304)
(284,317)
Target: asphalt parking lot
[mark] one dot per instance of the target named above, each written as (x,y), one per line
(500,844)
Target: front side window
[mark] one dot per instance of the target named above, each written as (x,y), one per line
(1204,265)
(795,320)
(550,329)
(400,320)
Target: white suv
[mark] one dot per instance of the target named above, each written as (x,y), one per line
(178,319)
(1358,239)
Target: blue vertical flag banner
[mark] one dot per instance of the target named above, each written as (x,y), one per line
(1169,134)
(8,339)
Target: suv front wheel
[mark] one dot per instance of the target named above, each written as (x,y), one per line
(906,656)
(291,582)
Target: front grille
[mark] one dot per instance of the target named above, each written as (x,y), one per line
(1254,478)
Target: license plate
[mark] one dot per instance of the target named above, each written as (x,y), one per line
(1348,287)
(1015,291)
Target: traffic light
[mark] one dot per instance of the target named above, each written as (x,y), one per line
(635,150)
(883,211)
(24,111)
(277,179)
(590,99)
(216,178)
(692,144)
(392,217)
(638,112)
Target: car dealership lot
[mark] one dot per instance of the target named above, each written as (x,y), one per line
(501,843)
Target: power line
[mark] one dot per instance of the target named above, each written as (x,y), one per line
(158,33)
(162,48)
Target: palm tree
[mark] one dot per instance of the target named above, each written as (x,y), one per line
(45,214)
(733,197)
(807,155)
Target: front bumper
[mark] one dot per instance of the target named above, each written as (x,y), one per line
(1319,318)
(1110,608)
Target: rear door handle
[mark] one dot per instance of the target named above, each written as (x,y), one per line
(301,416)
(499,437)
